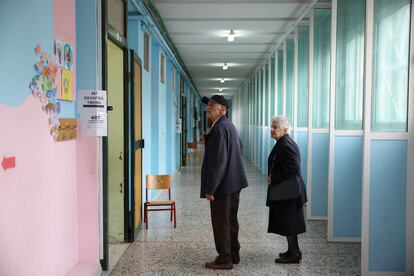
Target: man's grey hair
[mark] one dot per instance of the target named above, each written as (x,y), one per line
(281,123)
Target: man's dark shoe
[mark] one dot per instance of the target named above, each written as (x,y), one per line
(214,265)
(288,260)
(235,257)
(284,254)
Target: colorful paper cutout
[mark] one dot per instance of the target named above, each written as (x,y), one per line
(59,53)
(66,90)
(43,85)
(68,57)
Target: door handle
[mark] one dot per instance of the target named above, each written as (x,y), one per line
(120,155)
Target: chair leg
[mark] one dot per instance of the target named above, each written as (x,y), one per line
(146,218)
(175,218)
(171,214)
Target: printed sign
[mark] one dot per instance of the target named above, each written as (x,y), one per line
(93,113)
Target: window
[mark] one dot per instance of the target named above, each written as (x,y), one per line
(173,79)
(303,76)
(290,72)
(162,68)
(146,51)
(350,64)
(321,68)
(116,15)
(279,82)
(390,65)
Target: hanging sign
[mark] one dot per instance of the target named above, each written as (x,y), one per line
(93,112)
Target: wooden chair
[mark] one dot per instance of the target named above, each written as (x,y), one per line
(192,149)
(159,182)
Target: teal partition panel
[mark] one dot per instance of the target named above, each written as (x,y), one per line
(347,187)
(387,206)
(320,160)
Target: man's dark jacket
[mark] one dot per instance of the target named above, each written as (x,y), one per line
(222,172)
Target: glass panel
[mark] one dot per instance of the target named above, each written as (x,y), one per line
(146,51)
(116,15)
(321,68)
(279,82)
(256,102)
(290,76)
(272,90)
(350,64)
(162,69)
(390,65)
(303,76)
(266,95)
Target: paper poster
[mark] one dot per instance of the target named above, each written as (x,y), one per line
(59,53)
(93,113)
(66,88)
(68,57)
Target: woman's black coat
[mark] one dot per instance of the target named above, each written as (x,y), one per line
(286,217)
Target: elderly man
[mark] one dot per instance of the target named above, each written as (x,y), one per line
(222,178)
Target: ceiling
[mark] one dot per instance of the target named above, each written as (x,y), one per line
(199,30)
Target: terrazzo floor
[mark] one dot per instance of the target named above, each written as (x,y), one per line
(163,250)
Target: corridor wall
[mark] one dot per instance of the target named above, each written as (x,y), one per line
(357,127)
(387,208)
(346,112)
(161,100)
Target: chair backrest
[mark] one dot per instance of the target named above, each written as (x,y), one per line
(192,145)
(158,182)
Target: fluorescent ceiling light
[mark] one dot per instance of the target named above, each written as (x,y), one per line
(225,66)
(222,81)
(231,36)
(220,89)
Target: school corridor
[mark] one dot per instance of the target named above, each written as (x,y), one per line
(163,250)
(100,97)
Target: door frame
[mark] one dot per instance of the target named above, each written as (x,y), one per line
(109,33)
(134,58)
(183,116)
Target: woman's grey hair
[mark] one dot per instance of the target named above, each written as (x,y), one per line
(281,123)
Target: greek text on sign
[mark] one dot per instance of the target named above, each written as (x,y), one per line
(92,111)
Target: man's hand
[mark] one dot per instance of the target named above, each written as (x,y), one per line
(269,179)
(209,197)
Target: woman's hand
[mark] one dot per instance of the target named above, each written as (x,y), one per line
(269,179)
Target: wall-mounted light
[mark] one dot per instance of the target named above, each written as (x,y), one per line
(231,36)
(225,66)
(222,81)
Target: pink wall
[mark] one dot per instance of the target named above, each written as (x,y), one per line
(38,198)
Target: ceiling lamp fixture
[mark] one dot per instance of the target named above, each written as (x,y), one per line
(222,80)
(220,89)
(225,66)
(231,36)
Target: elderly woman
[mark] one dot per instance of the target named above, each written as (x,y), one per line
(286,216)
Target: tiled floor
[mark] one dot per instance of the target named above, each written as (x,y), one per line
(163,250)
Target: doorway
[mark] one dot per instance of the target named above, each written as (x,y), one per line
(137,143)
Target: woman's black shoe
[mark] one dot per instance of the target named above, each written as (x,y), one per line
(284,254)
(289,260)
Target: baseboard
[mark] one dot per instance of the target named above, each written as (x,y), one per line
(317,218)
(380,273)
(85,269)
(350,240)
